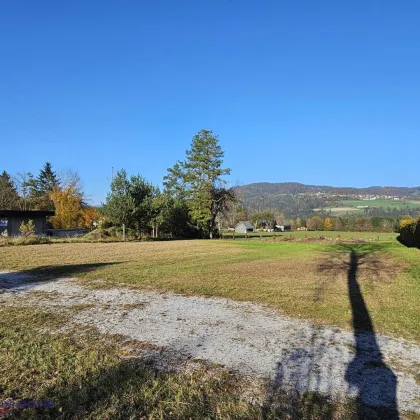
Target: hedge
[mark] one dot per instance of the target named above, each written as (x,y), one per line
(410,232)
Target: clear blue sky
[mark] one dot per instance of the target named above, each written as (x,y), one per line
(320,92)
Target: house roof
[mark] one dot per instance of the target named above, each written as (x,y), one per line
(26,213)
(246,223)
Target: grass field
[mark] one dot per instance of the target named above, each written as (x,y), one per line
(393,204)
(307,280)
(374,236)
(350,206)
(86,376)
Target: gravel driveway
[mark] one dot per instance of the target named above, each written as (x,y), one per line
(247,338)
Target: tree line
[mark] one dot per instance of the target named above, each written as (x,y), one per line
(49,191)
(192,203)
(195,201)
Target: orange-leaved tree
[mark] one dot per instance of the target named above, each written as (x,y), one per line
(89,218)
(68,202)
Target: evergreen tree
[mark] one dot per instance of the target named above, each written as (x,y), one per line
(9,198)
(143,193)
(199,180)
(120,205)
(171,216)
(43,186)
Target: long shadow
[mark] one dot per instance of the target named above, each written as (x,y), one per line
(310,374)
(375,382)
(23,279)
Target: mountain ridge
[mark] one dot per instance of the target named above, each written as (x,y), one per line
(300,188)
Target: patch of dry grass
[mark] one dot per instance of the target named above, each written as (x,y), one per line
(307,280)
(81,374)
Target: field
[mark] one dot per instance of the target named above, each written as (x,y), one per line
(393,204)
(303,280)
(350,206)
(368,236)
(286,276)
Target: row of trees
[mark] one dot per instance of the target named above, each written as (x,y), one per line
(351,224)
(26,192)
(193,202)
(49,191)
(268,218)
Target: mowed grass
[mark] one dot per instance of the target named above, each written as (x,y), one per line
(301,279)
(393,204)
(309,234)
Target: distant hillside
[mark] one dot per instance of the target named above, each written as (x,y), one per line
(297,188)
(300,200)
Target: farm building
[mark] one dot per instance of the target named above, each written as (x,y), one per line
(10,221)
(282,228)
(244,227)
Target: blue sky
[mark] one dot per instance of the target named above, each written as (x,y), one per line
(319,92)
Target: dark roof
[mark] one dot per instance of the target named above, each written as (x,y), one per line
(26,213)
(246,223)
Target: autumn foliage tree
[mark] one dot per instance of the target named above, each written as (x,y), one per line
(328,224)
(70,209)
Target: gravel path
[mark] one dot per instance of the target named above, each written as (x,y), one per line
(244,337)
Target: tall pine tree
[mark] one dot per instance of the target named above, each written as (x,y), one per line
(9,198)
(199,179)
(46,182)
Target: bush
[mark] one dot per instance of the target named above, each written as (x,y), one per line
(27,229)
(24,240)
(410,232)
(113,233)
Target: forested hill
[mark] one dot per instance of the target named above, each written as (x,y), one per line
(262,188)
(300,200)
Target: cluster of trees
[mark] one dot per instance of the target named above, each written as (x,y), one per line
(194,200)
(49,191)
(351,224)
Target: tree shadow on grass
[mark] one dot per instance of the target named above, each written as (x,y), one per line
(375,382)
(368,377)
(24,279)
(134,388)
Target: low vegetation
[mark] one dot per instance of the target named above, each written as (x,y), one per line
(306,279)
(47,370)
(81,374)
(410,232)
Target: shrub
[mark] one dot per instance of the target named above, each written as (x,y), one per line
(410,232)
(27,229)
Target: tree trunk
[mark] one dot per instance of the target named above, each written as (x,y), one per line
(123,227)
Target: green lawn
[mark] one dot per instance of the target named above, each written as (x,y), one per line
(302,279)
(375,236)
(84,374)
(393,204)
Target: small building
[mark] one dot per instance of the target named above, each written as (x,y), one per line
(10,221)
(244,227)
(282,228)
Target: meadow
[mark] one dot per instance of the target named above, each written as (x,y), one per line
(350,206)
(304,279)
(315,235)
(88,375)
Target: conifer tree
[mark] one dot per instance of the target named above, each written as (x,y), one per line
(9,198)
